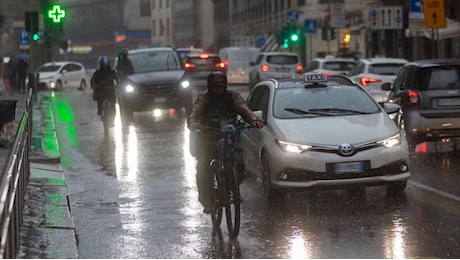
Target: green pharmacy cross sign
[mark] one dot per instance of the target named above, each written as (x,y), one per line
(56,13)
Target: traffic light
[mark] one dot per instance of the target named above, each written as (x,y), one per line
(36,36)
(286,44)
(324,30)
(333,34)
(294,37)
(31,22)
(55,13)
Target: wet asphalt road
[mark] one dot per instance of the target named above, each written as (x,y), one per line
(133,195)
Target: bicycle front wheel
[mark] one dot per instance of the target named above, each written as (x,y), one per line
(216,216)
(233,206)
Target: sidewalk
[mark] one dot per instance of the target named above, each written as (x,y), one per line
(48,229)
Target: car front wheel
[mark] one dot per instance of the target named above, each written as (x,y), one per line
(269,192)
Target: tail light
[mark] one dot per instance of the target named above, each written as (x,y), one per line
(189,65)
(299,68)
(265,68)
(413,98)
(204,56)
(220,65)
(327,74)
(365,81)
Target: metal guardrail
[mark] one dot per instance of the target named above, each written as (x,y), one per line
(13,185)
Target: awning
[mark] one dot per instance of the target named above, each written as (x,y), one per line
(452,30)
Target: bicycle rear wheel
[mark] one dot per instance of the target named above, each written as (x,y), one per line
(216,216)
(233,206)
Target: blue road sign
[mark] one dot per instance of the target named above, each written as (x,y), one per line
(416,9)
(260,40)
(23,39)
(309,26)
(293,15)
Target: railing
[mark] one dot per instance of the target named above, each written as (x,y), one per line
(13,185)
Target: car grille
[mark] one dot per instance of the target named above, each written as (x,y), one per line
(297,175)
(159,90)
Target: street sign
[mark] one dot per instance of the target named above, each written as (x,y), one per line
(293,15)
(23,40)
(260,40)
(416,9)
(310,26)
(388,17)
(435,16)
(338,18)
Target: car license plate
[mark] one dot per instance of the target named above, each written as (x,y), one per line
(448,101)
(348,167)
(159,100)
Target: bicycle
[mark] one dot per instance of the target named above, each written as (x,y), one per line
(226,179)
(108,108)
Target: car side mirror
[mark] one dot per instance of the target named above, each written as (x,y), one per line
(387,86)
(390,108)
(63,71)
(252,63)
(258,114)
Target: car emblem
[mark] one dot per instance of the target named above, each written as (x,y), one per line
(346,149)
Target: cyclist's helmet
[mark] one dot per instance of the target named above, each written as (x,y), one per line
(104,62)
(217,78)
(123,53)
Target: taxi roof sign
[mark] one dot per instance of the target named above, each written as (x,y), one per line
(313,78)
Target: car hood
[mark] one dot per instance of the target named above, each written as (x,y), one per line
(43,75)
(336,130)
(157,77)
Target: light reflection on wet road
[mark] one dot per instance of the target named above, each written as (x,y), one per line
(133,195)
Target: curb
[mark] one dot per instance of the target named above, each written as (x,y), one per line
(54,235)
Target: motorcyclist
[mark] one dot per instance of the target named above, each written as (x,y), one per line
(214,107)
(103,83)
(124,65)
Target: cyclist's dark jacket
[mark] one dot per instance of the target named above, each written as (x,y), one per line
(213,111)
(103,81)
(124,67)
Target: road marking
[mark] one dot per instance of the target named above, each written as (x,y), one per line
(439,192)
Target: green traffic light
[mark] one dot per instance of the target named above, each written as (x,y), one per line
(36,37)
(294,37)
(286,44)
(56,13)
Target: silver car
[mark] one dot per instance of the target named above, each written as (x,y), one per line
(323,132)
(59,74)
(373,73)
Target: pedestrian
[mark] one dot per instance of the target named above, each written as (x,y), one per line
(13,74)
(22,75)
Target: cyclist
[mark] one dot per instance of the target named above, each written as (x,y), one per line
(214,107)
(124,65)
(103,83)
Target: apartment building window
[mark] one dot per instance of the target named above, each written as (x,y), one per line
(167,3)
(160,4)
(145,8)
(300,2)
(153,4)
(154,28)
(167,26)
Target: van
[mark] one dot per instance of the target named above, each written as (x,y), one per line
(237,61)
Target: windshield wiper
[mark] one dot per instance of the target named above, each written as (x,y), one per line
(338,110)
(303,112)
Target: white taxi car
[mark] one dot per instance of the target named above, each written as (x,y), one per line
(323,132)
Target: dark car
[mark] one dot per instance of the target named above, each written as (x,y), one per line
(158,82)
(428,92)
(198,67)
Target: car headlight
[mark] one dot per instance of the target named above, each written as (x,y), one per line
(392,141)
(129,88)
(185,84)
(292,148)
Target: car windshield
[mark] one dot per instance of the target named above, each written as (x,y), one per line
(439,78)
(154,61)
(338,65)
(338,100)
(385,68)
(282,59)
(49,68)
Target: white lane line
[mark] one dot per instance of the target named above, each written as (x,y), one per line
(439,192)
